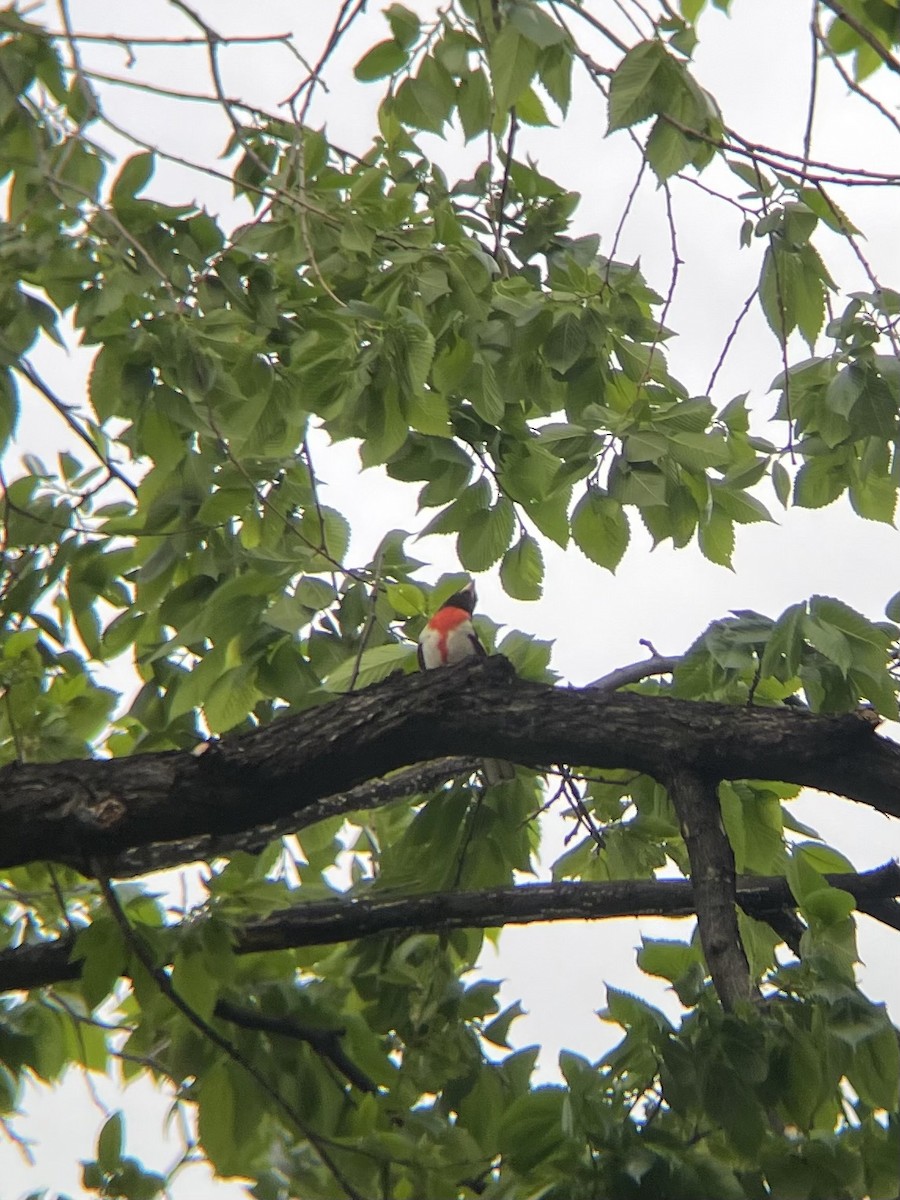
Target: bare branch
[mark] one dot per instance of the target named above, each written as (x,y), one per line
(322,923)
(635,672)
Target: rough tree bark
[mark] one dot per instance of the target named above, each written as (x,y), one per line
(76,811)
(103,815)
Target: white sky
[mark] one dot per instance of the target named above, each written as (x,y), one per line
(750,63)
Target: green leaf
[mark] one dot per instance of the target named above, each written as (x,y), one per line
(404,23)
(830,642)
(194,982)
(645,488)
(474,103)
(387,58)
(485,536)
(522,569)
(668,149)
(513,61)
(819,482)
(874,497)
(372,665)
(531,1130)
(9,407)
(133,176)
(219,1120)
(715,536)
(632,90)
(874,1071)
(739,505)
(110,1143)
(407,600)
(566,342)
(600,528)
(536,25)
(792,290)
(668,959)
(231,698)
(781,481)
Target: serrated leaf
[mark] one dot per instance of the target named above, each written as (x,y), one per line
(371,666)
(513,61)
(715,536)
(485,536)
(600,529)
(522,569)
(566,342)
(740,505)
(830,642)
(230,699)
(874,498)
(819,482)
(633,85)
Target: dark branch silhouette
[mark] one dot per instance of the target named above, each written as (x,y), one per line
(325,922)
(74,811)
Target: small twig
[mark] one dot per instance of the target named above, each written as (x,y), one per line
(25,368)
(866,34)
(575,7)
(324,1042)
(813,86)
(569,789)
(851,82)
(624,217)
(634,672)
(782,317)
(504,185)
(731,336)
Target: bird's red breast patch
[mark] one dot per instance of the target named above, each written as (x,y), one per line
(444,621)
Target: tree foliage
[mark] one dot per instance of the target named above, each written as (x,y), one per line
(473,344)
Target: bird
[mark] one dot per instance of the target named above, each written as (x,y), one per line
(448,638)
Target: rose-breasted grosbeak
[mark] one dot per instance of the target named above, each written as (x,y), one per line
(448,638)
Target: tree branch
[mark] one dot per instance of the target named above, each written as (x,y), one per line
(74,811)
(865,33)
(410,781)
(696,802)
(330,921)
(325,1042)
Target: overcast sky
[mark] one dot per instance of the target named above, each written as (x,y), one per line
(756,64)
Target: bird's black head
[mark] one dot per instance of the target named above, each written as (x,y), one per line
(464,599)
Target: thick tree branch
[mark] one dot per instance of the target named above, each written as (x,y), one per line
(326,922)
(74,811)
(696,802)
(410,781)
